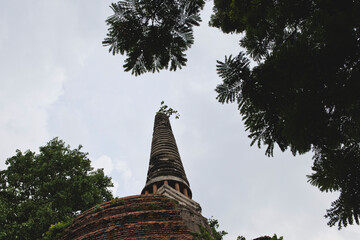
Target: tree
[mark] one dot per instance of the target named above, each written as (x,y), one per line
(37,190)
(152,33)
(303,93)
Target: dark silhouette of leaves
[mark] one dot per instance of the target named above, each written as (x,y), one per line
(153,34)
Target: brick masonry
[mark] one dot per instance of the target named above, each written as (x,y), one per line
(135,217)
(165,163)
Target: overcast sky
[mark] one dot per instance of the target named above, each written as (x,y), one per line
(58,80)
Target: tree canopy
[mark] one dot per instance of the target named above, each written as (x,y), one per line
(302,94)
(152,33)
(37,190)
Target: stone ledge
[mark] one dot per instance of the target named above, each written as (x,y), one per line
(168,191)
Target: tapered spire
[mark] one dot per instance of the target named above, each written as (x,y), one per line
(165,165)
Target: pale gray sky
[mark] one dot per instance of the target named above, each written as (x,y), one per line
(57,80)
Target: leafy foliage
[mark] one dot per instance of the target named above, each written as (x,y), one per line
(202,234)
(303,93)
(168,111)
(214,225)
(37,190)
(277,238)
(117,202)
(216,234)
(263,238)
(56,230)
(332,174)
(152,33)
(213,235)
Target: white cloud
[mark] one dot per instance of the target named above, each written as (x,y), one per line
(23,108)
(124,170)
(117,169)
(115,188)
(104,162)
(40,46)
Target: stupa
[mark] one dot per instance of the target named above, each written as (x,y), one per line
(163,210)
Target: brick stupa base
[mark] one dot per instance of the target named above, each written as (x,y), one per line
(136,217)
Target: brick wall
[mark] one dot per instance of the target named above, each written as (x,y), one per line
(134,217)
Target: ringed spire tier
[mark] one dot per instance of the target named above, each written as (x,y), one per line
(165,167)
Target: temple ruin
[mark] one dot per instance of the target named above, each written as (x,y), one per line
(164,209)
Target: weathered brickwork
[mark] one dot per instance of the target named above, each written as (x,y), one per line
(165,162)
(134,217)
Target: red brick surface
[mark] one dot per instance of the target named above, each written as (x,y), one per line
(134,217)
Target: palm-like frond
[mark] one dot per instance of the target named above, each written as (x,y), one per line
(160,29)
(233,71)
